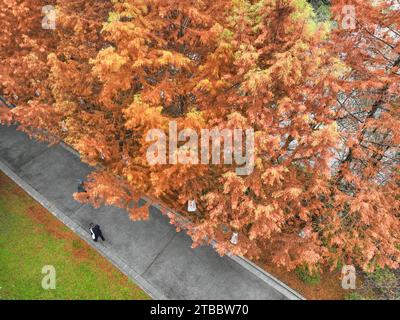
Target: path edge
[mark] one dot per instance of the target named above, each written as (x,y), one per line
(251,267)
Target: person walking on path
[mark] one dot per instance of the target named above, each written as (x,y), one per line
(81,186)
(95,231)
(82,189)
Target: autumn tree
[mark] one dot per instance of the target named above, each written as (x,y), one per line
(365,183)
(249,67)
(24,46)
(322,104)
(33,55)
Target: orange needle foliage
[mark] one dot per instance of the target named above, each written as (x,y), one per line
(323,104)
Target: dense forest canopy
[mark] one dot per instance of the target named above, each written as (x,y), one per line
(317,81)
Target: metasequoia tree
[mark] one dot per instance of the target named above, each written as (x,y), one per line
(322,104)
(33,56)
(24,46)
(224,65)
(158,55)
(365,183)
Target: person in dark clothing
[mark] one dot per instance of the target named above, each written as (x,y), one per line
(82,189)
(81,186)
(95,231)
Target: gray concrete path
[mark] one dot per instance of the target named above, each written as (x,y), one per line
(152,253)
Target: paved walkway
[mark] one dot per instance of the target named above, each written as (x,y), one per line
(152,253)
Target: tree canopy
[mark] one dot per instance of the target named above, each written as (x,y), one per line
(322,99)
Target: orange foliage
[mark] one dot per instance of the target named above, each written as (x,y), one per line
(323,104)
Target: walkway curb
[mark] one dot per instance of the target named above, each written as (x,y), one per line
(84,235)
(268,278)
(260,273)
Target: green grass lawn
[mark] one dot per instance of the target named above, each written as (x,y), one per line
(30,238)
